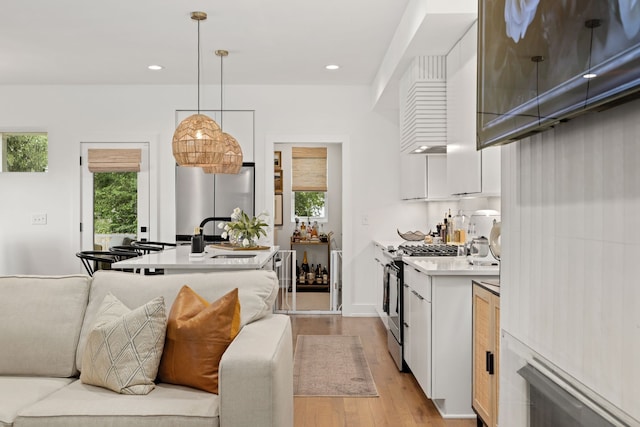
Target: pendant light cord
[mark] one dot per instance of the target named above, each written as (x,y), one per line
(586,96)
(538,90)
(538,59)
(198,67)
(221,80)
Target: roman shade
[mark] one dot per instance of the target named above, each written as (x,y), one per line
(114,160)
(309,171)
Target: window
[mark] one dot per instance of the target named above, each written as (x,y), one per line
(311,205)
(309,183)
(24,152)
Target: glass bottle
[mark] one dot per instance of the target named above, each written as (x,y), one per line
(311,275)
(304,268)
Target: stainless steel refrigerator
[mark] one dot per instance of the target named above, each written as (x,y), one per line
(211,197)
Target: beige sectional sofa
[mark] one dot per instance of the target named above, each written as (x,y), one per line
(44,322)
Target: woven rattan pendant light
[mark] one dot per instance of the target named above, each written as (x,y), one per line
(197,139)
(231,162)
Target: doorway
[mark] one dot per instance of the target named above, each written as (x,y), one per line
(323,254)
(115,194)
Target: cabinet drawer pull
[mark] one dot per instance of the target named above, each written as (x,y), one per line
(418,295)
(489,362)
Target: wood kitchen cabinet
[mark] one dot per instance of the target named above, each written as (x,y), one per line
(486,353)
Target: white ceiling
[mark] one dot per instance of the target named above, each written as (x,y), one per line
(270,42)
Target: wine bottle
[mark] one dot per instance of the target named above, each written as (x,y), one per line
(305,263)
(318,275)
(325,276)
(311,275)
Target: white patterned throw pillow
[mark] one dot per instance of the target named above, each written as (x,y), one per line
(124,347)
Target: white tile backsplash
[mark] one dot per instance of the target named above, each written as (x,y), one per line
(570,250)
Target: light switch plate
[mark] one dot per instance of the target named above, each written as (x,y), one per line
(39,219)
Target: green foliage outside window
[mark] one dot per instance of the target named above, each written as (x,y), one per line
(115,201)
(26,152)
(309,203)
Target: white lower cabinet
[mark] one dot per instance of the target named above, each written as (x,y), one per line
(417,327)
(379,261)
(437,338)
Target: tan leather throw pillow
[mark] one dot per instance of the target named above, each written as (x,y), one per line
(198,333)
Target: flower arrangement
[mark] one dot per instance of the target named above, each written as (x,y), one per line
(243,230)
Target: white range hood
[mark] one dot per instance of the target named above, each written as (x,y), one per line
(423,106)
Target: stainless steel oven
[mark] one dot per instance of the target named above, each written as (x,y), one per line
(393,305)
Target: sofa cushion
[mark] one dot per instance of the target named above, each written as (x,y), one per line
(198,333)
(17,393)
(257,290)
(124,347)
(81,405)
(41,313)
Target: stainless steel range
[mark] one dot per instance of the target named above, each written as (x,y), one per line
(393,278)
(422,249)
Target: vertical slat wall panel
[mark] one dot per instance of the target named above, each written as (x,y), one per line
(569,276)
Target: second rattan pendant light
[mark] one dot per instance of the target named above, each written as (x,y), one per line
(231,162)
(197,141)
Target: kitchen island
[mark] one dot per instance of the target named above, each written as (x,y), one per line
(438,328)
(180,260)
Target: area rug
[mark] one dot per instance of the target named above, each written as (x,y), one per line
(331,365)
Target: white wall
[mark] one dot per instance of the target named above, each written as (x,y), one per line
(72,114)
(569,276)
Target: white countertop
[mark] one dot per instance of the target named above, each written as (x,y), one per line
(452,266)
(178,260)
(442,265)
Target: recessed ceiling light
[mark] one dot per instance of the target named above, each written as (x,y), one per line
(155,67)
(590,76)
(332,67)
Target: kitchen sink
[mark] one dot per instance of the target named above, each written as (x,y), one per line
(234,256)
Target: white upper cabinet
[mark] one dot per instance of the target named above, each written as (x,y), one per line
(423,177)
(468,171)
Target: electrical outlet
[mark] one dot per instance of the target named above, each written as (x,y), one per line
(39,219)
(365,219)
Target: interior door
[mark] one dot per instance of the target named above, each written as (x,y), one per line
(88,235)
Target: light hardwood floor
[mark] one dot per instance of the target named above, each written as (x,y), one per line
(401,402)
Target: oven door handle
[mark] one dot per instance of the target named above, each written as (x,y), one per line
(385,289)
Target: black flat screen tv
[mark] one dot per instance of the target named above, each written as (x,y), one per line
(542,62)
